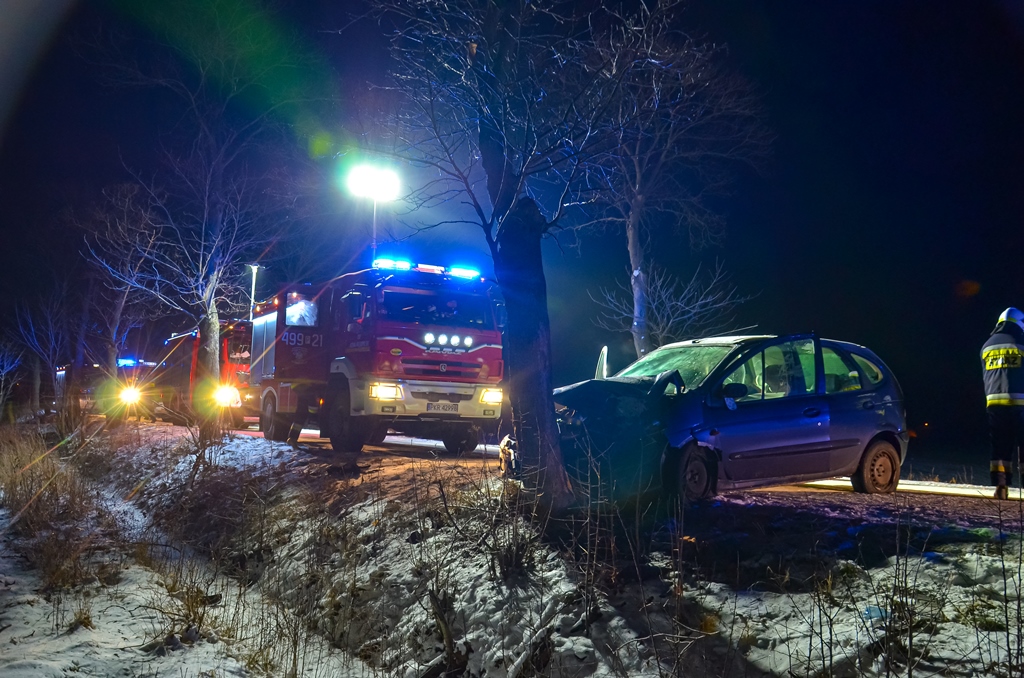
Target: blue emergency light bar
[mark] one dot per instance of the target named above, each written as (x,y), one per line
(126,362)
(404,265)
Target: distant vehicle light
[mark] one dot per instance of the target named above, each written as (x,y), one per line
(467,342)
(227,396)
(126,362)
(443,340)
(385,392)
(130,395)
(462,272)
(491,396)
(455,340)
(429,338)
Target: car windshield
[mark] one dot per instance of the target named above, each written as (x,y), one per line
(693,362)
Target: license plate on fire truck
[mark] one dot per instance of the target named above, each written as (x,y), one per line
(452,408)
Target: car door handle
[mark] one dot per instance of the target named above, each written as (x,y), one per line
(812,412)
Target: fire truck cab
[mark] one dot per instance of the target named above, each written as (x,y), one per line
(411,347)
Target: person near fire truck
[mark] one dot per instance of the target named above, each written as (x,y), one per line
(1001,360)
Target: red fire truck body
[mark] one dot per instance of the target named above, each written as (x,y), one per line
(174,382)
(414,348)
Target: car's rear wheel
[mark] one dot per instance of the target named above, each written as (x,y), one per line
(273,424)
(879,471)
(695,475)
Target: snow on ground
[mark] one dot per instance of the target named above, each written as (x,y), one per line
(355,589)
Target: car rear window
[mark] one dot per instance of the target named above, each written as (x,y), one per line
(868,369)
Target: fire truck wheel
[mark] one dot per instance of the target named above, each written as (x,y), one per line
(274,425)
(378,434)
(347,433)
(461,439)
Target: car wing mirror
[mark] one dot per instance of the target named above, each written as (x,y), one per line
(734,391)
(602,364)
(664,379)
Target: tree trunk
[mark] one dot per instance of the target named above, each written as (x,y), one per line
(208,375)
(37,384)
(520,274)
(638,282)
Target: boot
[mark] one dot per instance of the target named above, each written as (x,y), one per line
(1001,492)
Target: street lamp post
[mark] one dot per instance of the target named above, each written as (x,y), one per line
(377,183)
(252,293)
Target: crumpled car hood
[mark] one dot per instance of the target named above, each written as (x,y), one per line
(600,398)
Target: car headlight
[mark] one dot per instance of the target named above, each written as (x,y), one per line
(226,396)
(491,396)
(443,339)
(385,391)
(428,338)
(467,342)
(130,395)
(455,340)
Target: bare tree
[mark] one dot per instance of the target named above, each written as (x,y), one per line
(681,124)
(676,310)
(10,361)
(504,104)
(221,197)
(43,329)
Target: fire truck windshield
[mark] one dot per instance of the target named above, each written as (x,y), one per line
(436,307)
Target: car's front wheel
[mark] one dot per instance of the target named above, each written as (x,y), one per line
(696,479)
(879,471)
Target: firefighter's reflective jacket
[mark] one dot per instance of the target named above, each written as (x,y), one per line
(1004,372)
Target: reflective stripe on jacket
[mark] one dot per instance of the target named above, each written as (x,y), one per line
(1002,363)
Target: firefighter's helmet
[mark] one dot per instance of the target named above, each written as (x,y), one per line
(1012,315)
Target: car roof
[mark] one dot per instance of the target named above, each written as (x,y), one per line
(721,341)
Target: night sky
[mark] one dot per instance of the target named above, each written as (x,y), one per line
(889,214)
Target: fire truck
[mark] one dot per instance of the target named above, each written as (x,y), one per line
(411,347)
(172,386)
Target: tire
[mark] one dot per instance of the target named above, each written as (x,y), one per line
(347,433)
(879,470)
(273,424)
(695,479)
(459,440)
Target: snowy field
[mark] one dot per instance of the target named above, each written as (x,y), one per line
(274,563)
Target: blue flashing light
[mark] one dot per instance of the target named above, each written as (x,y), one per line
(392,264)
(462,272)
(126,362)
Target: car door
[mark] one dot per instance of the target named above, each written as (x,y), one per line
(780,428)
(857,407)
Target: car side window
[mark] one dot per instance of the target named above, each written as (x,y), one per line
(869,370)
(841,374)
(779,371)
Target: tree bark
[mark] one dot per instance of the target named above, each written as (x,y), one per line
(208,375)
(520,273)
(638,282)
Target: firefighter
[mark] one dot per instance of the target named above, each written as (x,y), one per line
(1004,394)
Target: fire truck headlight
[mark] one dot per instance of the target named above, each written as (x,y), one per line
(491,396)
(385,392)
(443,339)
(130,395)
(455,340)
(226,396)
(428,338)
(467,342)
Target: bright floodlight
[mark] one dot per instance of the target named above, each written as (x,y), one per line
(376,183)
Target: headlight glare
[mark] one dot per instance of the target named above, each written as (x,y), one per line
(130,395)
(385,391)
(455,340)
(443,339)
(491,396)
(467,342)
(226,396)
(428,338)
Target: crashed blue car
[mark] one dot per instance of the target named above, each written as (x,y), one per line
(707,415)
